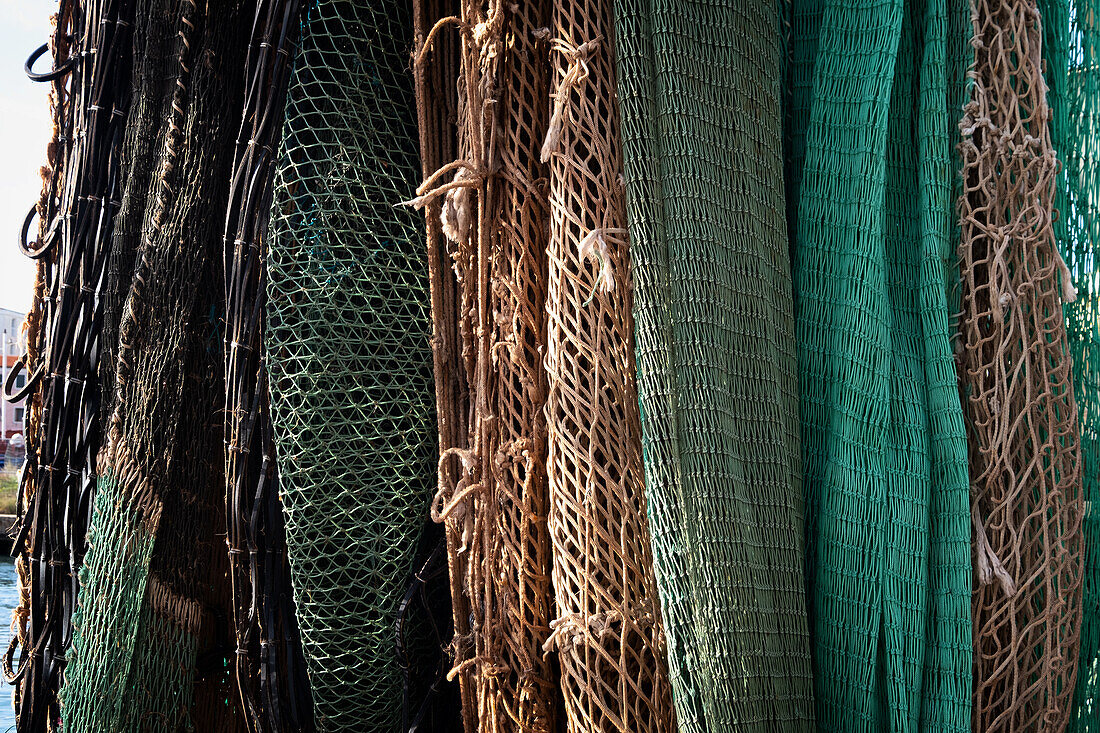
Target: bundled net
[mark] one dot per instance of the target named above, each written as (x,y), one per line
(78,204)
(874,92)
(347,350)
(1071,50)
(269,667)
(152,644)
(493,492)
(607,630)
(1025,449)
(702,132)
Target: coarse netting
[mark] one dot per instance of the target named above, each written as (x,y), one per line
(493,493)
(153,644)
(875,90)
(702,135)
(1016,369)
(1071,44)
(91,53)
(269,667)
(607,629)
(348,354)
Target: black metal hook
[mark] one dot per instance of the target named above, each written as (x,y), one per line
(52,74)
(42,247)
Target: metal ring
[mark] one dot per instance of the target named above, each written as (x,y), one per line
(16,370)
(52,74)
(42,247)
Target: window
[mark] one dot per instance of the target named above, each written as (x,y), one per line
(19,414)
(20,381)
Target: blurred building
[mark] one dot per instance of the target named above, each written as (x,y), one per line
(11,346)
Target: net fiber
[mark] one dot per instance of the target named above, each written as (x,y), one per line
(348,354)
(874,94)
(702,136)
(493,489)
(152,642)
(1071,49)
(607,631)
(1025,450)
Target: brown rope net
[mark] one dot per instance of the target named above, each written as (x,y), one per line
(1015,369)
(539,431)
(607,631)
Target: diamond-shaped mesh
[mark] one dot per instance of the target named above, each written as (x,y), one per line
(1024,435)
(349,356)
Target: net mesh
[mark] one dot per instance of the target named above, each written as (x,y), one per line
(874,93)
(1024,433)
(348,354)
(702,135)
(1071,35)
(607,631)
(153,642)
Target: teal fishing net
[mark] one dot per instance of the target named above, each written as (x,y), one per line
(349,357)
(700,93)
(875,92)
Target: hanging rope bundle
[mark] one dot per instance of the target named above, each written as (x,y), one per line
(270,669)
(1016,369)
(90,100)
(493,494)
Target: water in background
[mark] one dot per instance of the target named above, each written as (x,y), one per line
(9,599)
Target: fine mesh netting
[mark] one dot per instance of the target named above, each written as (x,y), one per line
(702,137)
(1071,34)
(348,354)
(152,644)
(1024,432)
(874,93)
(607,630)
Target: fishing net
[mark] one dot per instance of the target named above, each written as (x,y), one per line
(608,631)
(1025,452)
(493,493)
(1070,37)
(152,640)
(702,136)
(874,94)
(269,667)
(348,354)
(75,215)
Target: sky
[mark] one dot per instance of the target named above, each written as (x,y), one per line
(24,133)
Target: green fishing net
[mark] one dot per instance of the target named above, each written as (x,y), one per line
(700,94)
(1071,47)
(875,94)
(349,353)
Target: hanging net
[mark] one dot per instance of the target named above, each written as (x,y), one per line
(607,631)
(1071,34)
(702,133)
(152,643)
(874,93)
(347,347)
(1024,434)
